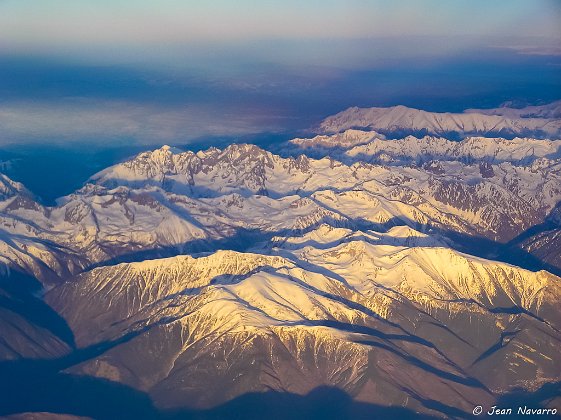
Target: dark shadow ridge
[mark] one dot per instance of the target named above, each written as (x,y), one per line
(533,399)
(320,403)
(26,391)
(40,385)
(18,294)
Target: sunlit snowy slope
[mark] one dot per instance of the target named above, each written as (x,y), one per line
(417,272)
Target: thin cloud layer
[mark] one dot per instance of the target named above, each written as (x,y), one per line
(79,119)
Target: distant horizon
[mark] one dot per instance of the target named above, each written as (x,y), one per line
(170,71)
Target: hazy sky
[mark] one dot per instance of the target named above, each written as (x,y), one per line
(53,23)
(171,70)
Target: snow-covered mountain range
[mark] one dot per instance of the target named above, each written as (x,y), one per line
(536,121)
(419,272)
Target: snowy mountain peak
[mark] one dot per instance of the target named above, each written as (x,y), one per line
(9,188)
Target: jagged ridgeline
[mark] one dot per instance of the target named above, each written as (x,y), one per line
(354,276)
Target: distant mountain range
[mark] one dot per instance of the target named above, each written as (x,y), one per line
(398,121)
(416,274)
